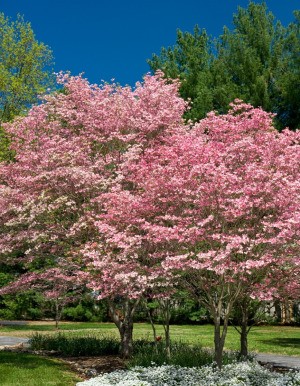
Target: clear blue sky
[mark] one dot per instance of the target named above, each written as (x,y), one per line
(108,39)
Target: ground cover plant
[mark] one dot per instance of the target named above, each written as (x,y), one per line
(20,369)
(237,374)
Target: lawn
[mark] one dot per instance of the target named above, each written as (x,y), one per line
(269,339)
(18,369)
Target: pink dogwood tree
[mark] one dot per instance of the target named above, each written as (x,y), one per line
(111,179)
(60,287)
(70,157)
(222,208)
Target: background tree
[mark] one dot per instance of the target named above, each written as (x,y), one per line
(189,60)
(24,71)
(257,61)
(289,78)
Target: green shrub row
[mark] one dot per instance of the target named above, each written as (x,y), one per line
(68,345)
(146,353)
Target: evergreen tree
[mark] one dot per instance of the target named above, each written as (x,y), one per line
(190,61)
(258,62)
(289,79)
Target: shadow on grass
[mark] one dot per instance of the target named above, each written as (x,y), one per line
(283,342)
(24,369)
(26,361)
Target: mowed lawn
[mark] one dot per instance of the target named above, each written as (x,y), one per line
(269,339)
(31,370)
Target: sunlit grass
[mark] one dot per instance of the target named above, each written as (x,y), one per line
(18,369)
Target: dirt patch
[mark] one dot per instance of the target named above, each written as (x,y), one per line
(88,367)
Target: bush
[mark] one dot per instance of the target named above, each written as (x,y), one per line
(6,314)
(24,305)
(182,354)
(77,314)
(67,345)
(86,311)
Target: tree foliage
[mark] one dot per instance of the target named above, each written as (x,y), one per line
(112,183)
(257,61)
(24,71)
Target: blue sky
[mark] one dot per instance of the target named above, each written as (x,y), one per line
(108,39)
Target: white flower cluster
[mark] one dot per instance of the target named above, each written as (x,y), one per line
(237,374)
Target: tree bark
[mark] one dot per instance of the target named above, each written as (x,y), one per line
(126,331)
(244,330)
(152,326)
(165,306)
(123,319)
(219,338)
(216,303)
(58,313)
(244,341)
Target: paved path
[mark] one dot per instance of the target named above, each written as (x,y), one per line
(12,341)
(13,322)
(279,360)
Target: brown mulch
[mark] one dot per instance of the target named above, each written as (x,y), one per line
(88,367)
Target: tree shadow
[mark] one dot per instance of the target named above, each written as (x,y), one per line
(13,361)
(28,361)
(283,342)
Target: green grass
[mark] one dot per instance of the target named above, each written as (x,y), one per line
(18,369)
(30,370)
(281,340)
(269,339)
(50,326)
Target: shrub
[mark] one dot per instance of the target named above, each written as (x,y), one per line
(68,345)
(182,354)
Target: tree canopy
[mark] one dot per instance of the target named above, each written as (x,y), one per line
(111,182)
(24,71)
(257,61)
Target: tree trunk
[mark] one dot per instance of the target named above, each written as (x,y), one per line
(58,313)
(219,339)
(152,326)
(165,306)
(218,311)
(244,330)
(126,331)
(244,341)
(168,340)
(278,311)
(123,319)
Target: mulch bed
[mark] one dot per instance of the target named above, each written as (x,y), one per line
(88,367)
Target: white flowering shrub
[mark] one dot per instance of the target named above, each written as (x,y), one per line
(236,374)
